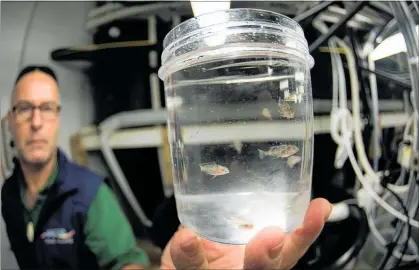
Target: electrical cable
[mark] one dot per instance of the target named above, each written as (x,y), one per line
(70,52)
(383,242)
(409,266)
(408,236)
(353,251)
(412,196)
(409,229)
(26,34)
(393,244)
(386,75)
(396,188)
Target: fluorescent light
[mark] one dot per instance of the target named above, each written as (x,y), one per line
(390,46)
(203,7)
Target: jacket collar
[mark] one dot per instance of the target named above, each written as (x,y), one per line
(63,180)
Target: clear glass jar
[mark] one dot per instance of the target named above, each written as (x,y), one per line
(238,95)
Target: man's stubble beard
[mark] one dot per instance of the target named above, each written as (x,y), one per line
(36,165)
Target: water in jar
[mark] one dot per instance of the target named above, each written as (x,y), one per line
(240,135)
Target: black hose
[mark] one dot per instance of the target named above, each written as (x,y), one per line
(385,75)
(393,244)
(408,266)
(353,251)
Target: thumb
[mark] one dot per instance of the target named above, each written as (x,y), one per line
(187,251)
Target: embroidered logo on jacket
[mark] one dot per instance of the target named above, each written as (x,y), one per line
(58,236)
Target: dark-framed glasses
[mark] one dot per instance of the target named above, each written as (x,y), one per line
(24,110)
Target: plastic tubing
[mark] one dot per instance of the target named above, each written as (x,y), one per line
(359,144)
(346,134)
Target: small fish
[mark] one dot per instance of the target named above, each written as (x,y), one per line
(280,151)
(293,160)
(213,169)
(247,226)
(285,110)
(241,224)
(238,145)
(266,113)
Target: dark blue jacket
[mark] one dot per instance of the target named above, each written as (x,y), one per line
(59,234)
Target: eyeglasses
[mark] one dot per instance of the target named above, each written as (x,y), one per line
(24,111)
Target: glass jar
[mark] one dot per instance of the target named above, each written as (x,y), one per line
(240,122)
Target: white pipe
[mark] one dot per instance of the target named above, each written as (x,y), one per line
(381,240)
(340,211)
(155,91)
(359,144)
(375,111)
(152,29)
(106,128)
(366,184)
(104,9)
(131,11)
(342,115)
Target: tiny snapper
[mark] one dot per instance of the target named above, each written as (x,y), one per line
(213,169)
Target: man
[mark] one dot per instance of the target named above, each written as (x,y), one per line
(58,214)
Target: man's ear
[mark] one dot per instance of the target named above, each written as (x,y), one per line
(9,120)
(9,126)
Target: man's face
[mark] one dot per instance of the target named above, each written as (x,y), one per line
(34,118)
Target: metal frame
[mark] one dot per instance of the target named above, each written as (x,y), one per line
(109,138)
(146,137)
(324,38)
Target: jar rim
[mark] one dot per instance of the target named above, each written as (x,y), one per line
(177,41)
(173,34)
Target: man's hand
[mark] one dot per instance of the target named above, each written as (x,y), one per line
(269,249)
